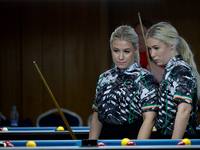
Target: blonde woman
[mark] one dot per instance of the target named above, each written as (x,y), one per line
(125,103)
(179,87)
(157,71)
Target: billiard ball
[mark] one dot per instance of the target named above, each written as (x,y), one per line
(154,128)
(125,141)
(2,144)
(60,128)
(180,143)
(101,144)
(9,144)
(4,129)
(131,143)
(186,141)
(1,128)
(31,144)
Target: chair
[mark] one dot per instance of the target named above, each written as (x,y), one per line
(89,119)
(53,118)
(2,117)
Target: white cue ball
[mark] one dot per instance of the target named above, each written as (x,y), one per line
(5,129)
(3,144)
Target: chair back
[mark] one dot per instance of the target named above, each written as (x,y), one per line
(53,118)
(89,119)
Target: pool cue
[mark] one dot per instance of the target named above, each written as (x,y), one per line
(55,102)
(145,43)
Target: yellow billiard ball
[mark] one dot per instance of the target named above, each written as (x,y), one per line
(125,141)
(186,141)
(60,128)
(31,144)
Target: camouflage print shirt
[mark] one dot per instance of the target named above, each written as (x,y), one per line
(177,85)
(122,96)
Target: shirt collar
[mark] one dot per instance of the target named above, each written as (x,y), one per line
(130,68)
(172,61)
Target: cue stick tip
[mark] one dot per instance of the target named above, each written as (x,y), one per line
(34,61)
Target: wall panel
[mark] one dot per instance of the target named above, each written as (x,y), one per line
(10,58)
(69,40)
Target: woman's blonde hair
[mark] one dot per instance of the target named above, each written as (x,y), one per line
(166,33)
(126,33)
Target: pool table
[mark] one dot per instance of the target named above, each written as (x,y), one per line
(50,133)
(110,144)
(42,133)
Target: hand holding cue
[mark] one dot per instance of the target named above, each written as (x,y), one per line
(55,102)
(145,43)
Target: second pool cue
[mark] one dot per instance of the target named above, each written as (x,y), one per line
(147,53)
(55,102)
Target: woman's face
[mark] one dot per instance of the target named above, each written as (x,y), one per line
(123,53)
(160,52)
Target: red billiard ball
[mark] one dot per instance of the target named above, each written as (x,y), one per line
(131,143)
(101,144)
(1,128)
(181,143)
(9,144)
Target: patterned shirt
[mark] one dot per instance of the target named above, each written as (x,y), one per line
(122,96)
(177,85)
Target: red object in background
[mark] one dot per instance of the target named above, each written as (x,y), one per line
(101,144)
(131,143)
(181,143)
(1,128)
(9,144)
(143,59)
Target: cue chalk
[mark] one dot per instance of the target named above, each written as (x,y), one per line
(88,142)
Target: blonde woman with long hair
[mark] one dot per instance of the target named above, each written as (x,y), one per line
(179,88)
